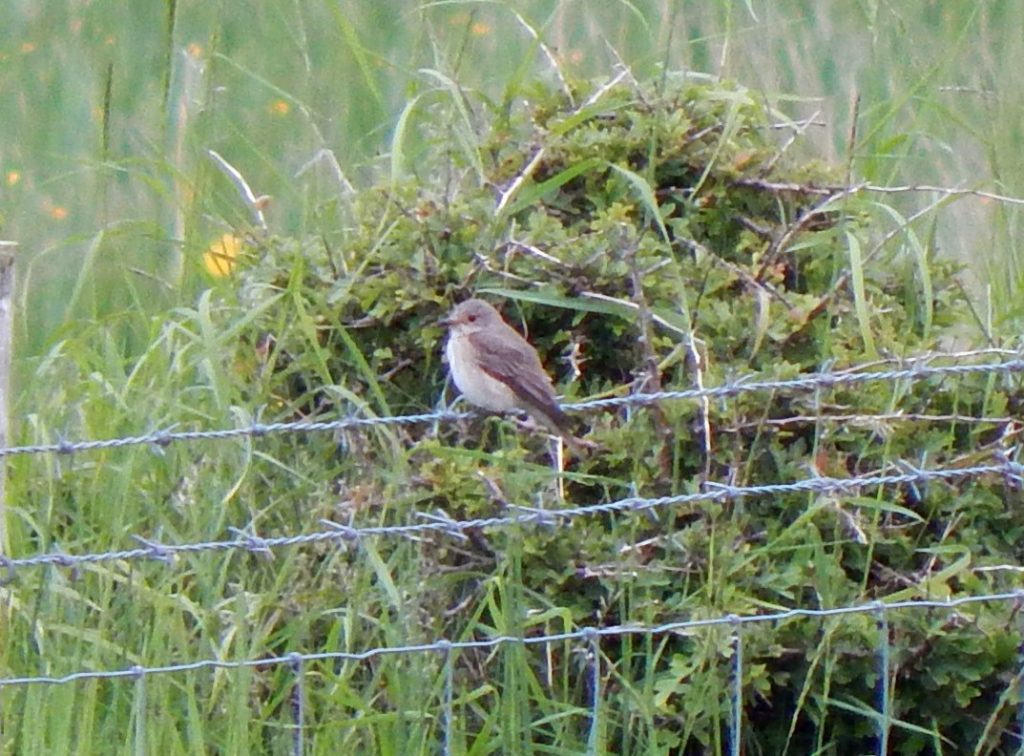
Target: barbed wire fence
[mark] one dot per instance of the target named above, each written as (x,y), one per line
(1004,463)
(918,369)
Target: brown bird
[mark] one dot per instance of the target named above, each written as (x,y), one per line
(497,369)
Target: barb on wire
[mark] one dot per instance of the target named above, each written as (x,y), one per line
(917,371)
(588,634)
(431,523)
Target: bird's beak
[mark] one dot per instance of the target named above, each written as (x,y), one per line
(446,321)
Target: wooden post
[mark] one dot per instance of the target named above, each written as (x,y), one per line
(7,249)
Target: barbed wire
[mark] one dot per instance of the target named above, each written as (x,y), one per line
(1012,472)
(743,385)
(735,621)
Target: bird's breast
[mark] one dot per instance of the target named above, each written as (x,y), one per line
(476,385)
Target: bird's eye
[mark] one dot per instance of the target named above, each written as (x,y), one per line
(471,318)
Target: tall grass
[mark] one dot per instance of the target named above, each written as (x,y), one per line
(106,182)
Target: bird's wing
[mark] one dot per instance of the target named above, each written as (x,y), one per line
(515,363)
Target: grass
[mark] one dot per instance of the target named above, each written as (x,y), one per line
(105,182)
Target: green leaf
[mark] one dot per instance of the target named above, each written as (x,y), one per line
(646,196)
(859,296)
(862,502)
(530,193)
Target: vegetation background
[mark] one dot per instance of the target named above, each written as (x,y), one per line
(108,110)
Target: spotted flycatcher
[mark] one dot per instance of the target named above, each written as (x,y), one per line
(497,369)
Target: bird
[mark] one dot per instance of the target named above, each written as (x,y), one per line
(496,369)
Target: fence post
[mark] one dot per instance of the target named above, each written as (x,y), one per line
(298,703)
(884,710)
(7,249)
(445,647)
(593,639)
(736,725)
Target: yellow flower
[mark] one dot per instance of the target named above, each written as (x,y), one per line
(219,259)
